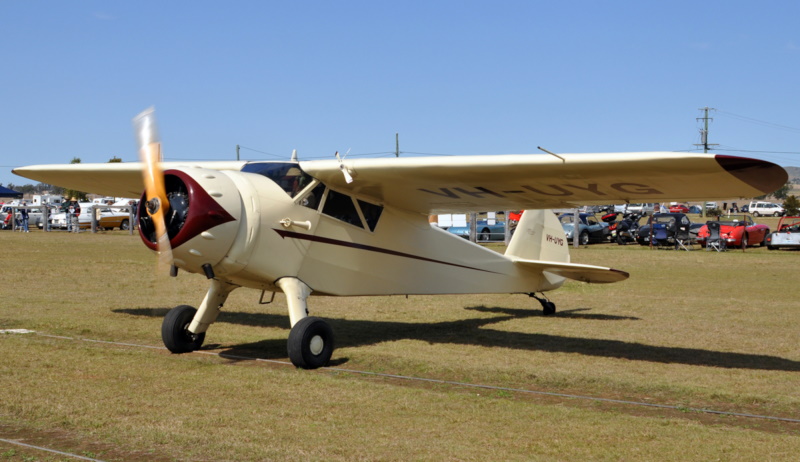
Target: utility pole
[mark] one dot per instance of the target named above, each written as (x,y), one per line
(397,144)
(237,152)
(704,144)
(704,130)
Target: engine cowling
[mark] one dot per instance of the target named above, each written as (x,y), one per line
(203,219)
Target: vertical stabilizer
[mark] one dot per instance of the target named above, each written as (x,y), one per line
(539,236)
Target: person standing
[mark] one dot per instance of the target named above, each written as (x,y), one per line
(73,212)
(23,216)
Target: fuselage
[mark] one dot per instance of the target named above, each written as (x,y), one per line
(274,222)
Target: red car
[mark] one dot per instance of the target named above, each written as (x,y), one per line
(737,231)
(680,208)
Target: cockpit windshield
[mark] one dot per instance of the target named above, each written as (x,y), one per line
(287,175)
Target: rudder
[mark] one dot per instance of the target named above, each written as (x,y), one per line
(539,236)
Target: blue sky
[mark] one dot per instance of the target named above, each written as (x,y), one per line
(467,77)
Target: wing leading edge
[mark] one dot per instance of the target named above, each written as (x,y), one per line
(111,179)
(479,183)
(533,181)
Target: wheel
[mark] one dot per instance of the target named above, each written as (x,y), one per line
(484,235)
(756,214)
(776,214)
(548,308)
(764,240)
(583,239)
(310,343)
(124,225)
(175,333)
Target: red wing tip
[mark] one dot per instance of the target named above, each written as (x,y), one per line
(760,174)
(621,273)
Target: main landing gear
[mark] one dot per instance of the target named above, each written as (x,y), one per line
(548,307)
(310,342)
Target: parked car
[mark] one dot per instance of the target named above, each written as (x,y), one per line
(765,208)
(678,208)
(787,236)
(485,231)
(59,220)
(695,209)
(665,226)
(114,218)
(737,231)
(590,229)
(34,216)
(641,209)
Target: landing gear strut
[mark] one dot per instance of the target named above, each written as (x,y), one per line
(184,328)
(311,339)
(548,307)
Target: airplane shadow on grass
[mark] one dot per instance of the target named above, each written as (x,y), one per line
(355,333)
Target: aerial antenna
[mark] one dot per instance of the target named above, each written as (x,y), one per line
(552,154)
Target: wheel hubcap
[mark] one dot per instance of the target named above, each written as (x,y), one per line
(316,345)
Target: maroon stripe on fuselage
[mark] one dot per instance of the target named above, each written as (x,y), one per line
(325,240)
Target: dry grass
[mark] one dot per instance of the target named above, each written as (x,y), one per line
(698,329)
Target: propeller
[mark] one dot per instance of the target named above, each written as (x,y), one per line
(157,205)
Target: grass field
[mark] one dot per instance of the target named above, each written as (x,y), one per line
(689,329)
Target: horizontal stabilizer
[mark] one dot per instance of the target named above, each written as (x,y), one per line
(584,273)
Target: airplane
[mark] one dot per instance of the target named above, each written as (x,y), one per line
(359,227)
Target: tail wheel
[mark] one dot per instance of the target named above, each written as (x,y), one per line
(311,343)
(175,330)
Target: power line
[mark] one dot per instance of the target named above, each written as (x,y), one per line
(758,122)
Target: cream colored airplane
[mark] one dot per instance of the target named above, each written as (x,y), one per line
(344,227)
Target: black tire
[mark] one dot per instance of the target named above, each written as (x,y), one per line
(311,343)
(583,239)
(124,225)
(776,214)
(756,214)
(764,241)
(548,308)
(175,333)
(484,235)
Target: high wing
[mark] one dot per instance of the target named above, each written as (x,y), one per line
(480,183)
(118,179)
(517,182)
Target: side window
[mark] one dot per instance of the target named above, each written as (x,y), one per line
(341,207)
(371,212)
(313,198)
